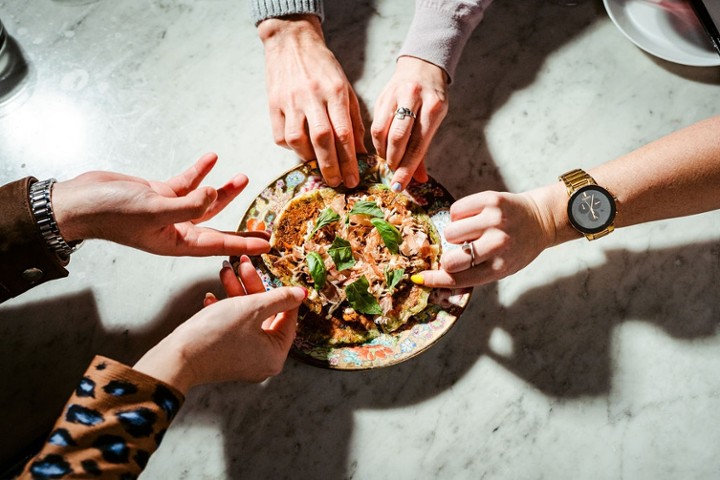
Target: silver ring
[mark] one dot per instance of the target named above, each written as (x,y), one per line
(468,248)
(403,112)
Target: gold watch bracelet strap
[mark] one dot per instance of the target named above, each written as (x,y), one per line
(575,179)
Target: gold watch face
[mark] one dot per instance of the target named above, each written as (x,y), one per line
(591,209)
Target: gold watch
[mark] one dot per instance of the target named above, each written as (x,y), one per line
(591,208)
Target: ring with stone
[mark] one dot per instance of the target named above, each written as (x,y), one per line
(468,248)
(403,112)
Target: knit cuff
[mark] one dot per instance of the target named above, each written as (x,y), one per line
(439,32)
(264,9)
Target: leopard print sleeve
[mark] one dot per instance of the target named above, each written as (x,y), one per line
(113,422)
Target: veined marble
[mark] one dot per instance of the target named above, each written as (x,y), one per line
(598,361)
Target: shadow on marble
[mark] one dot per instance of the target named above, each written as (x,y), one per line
(345,31)
(707,75)
(47,346)
(50,344)
(562,331)
(303,420)
(504,56)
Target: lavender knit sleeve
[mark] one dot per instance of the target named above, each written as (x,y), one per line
(264,9)
(440,29)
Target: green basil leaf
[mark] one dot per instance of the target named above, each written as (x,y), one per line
(317,269)
(393,277)
(364,207)
(360,299)
(341,253)
(390,235)
(326,217)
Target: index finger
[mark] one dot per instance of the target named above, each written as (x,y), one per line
(188,180)
(468,206)
(340,119)
(417,146)
(322,137)
(249,276)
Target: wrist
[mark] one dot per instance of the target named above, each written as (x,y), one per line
(416,66)
(551,204)
(292,27)
(68,213)
(168,363)
(43,203)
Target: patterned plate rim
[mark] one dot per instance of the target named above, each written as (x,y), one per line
(444,307)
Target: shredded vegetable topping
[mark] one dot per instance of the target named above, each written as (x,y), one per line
(356,251)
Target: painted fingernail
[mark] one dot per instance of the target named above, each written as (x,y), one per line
(417,279)
(396,187)
(305,291)
(226,264)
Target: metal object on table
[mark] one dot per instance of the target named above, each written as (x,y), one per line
(706,20)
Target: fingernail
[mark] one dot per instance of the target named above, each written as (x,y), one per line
(333,181)
(305,291)
(396,187)
(244,258)
(351,181)
(209,299)
(226,264)
(417,279)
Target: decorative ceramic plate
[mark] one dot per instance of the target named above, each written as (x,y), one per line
(667,29)
(422,330)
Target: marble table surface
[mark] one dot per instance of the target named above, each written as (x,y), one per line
(598,361)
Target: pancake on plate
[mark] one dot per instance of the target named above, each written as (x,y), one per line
(355,253)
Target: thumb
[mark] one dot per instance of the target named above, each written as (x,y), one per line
(188,207)
(284,326)
(275,301)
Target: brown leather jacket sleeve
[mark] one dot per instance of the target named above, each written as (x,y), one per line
(25,260)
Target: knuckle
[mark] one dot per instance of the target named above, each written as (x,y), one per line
(438,108)
(413,88)
(343,134)
(396,136)
(279,139)
(337,87)
(376,132)
(321,134)
(295,138)
(501,266)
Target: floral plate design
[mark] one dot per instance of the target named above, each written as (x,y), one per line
(423,330)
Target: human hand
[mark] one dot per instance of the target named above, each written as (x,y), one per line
(158,217)
(506,232)
(313,108)
(421,87)
(245,337)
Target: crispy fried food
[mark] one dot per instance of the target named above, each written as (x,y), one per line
(366,244)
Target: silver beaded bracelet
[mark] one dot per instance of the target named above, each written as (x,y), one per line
(41,206)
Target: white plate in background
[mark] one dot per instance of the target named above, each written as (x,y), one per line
(652,26)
